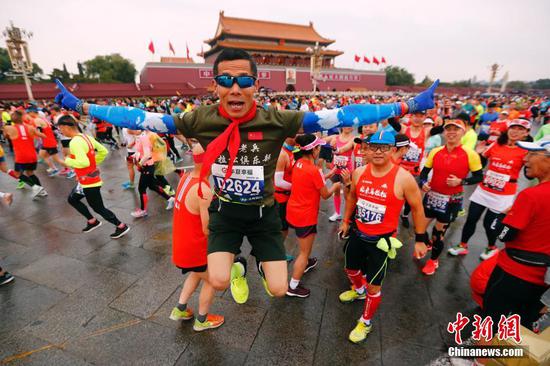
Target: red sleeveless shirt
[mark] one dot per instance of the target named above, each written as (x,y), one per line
(189,243)
(377,206)
(23,146)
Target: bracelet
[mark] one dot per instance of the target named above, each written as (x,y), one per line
(421,237)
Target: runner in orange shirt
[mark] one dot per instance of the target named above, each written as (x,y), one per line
(308,186)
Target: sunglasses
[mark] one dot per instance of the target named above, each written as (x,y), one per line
(227,81)
(382,148)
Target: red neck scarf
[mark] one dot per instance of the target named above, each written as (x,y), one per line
(229,139)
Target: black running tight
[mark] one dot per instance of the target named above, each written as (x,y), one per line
(147,180)
(94,199)
(491,223)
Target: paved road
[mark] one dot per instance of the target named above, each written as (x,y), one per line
(82,299)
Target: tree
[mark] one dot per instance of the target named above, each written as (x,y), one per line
(396,75)
(426,82)
(62,75)
(542,84)
(110,68)
(517,85)
(5,63)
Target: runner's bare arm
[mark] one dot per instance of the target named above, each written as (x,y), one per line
(355,115)
(204,203)
(412,195)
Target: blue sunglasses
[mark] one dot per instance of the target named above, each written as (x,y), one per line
(227,81)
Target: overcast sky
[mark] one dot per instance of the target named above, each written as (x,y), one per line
(450,40)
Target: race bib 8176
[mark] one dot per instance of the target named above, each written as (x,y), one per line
(245,185)
(369,212)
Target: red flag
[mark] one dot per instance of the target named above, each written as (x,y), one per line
(357,58)
(171,48)
(187,48)
(152,47)
(383,60)
(375,60)
(366,60)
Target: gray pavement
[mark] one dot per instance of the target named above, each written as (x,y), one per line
(83,299)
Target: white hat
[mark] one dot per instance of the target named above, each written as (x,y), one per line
(540,145)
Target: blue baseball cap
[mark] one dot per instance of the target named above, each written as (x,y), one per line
(540,145)
(382,137)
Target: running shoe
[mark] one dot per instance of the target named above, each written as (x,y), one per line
(20,185)
(360,332)
(168,190)
(542,323)
(65,171)
(71,175)
(264,281)
(335,217)
(458,249)
(351,295)
(462,213)
(170,203)
(430,267)
(299,291)
(488,253)
(177,314)
(405,221)
(119,232)
(239,285)
(128,185)
(6,278)
(137,213)
(91,227)
(36,191)
(8,198)
(212,321)
(43,193)
(311,263)
(53,173)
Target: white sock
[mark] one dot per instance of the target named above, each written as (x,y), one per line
(360,290)
(294,283)
(364,321)
(2,194)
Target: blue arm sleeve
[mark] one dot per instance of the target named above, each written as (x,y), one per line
(353,115)
(134,118)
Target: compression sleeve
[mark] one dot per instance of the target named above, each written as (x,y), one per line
(134,118)
(353,115)
(281,182)
(475,178)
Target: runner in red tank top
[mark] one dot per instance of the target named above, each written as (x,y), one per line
(22,137)
(48,150)
(189,244)
(283,175)
(377,194)
(359,154)
(343,143)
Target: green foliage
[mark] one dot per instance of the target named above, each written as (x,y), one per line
(396,75)
(517,85)
(110,68)
(542,84)
(426,82)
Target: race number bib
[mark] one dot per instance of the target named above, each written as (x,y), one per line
(245,185)
(413,154)
(369,212)
(495,181)
(437,202)
(341,161)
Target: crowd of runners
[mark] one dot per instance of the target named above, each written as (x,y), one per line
(262,164)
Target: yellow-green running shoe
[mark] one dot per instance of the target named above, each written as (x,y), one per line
(212,321)
(20,184)
(360,332)
(177,314)
(351,296)
(239,285)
